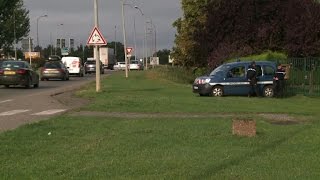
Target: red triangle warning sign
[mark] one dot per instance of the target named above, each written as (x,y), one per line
(129,49)
(96,38)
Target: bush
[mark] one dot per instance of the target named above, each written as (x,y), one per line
(174,74)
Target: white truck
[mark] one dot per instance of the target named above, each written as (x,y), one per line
(107,57)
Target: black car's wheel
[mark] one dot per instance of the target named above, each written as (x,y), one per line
(217,91)
(29,84)
(268,91)
(7,86)
(64,78)
(36,85)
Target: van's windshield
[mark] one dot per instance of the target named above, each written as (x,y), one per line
(219,71)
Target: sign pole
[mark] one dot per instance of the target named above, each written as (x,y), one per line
(96,50)
(30,59)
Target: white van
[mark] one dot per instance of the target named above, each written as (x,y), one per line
(74,65)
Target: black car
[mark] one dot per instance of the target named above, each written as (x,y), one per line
(90,67)
(18,73)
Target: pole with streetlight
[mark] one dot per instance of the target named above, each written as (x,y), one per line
(124,38)
(38,28)
(55,51)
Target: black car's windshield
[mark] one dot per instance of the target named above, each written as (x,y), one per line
(13,64)
(219,70)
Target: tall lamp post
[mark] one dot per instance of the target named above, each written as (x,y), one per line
(55,51)
(124,38)
(38,28)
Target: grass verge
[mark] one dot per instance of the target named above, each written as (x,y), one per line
(91,147)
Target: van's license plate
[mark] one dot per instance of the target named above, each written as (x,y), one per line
(195,87)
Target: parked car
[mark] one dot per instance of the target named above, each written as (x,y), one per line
(74,65)
(54,70)
(90,67)
(135,65)
(230,79)
(120,66)
(18,73)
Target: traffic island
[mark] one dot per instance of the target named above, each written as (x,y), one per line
(244,127)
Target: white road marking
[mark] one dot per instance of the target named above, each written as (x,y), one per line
(8,113)
(8,100)
(49,112)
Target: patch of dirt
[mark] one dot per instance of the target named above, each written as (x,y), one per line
(282,119)
(69,99)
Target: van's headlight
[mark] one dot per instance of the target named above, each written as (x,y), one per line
(202,81)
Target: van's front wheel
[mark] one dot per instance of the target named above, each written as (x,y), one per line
(217,91)
(268,91)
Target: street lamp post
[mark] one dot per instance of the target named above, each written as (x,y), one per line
(124,38)
(55,51)
(38,28)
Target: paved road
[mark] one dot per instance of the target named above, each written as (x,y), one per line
(20,106)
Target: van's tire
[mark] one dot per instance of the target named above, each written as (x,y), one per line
(268,91)
(217,91)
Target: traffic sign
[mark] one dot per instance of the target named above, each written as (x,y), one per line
(129,50)
(96,38)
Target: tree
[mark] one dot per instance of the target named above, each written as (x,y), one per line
(14,18)
(190,45)
(244,27)
(163,56)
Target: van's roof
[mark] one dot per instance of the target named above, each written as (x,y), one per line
(249,62)
(69,57)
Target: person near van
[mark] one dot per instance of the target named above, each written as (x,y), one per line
(252,78)
(279,81)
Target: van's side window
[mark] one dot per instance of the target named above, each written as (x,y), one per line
(268,70)
(259,70)
(236,72)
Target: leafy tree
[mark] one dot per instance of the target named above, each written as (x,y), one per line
(163,56)
(119,48)
(191,46)
(13,17)
(244,27)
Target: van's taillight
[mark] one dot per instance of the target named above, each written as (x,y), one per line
(1,71)
(62,70)
(21,71)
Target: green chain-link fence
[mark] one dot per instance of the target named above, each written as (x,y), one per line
(303,76)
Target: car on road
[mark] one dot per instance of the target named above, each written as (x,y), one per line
(230,79)
(74,65)
(135,65)
(120,66)
(90,67)
(18,73)
(54,70)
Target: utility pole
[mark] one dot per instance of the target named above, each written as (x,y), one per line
(115,44)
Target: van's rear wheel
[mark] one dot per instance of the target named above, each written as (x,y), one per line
(268,91)
(217,91)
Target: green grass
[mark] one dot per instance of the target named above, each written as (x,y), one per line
(142,93)
(82,147)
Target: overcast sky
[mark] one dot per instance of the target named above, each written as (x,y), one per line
(77,17)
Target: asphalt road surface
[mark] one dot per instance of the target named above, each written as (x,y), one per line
(19,105)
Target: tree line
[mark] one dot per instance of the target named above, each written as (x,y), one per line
(212,31)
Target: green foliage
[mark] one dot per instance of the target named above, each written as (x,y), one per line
(191,48)
(266,56)
(13,16)
(173,73)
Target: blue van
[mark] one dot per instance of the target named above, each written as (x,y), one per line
(230,79)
